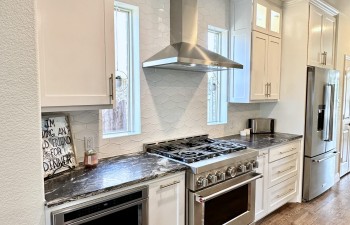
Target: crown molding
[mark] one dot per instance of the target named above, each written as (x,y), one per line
(325,7)
(318,3)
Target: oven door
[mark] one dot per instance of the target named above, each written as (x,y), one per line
(230,203)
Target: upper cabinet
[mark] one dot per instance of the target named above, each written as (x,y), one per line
(321,47)
(256,43)
(76,54)
(267,18)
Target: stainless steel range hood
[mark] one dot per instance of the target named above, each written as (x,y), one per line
(183,53)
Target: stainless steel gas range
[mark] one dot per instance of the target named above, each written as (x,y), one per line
(220,178)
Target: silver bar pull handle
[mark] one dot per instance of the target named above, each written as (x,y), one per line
(168,185)
(111,86)
(266,90)
(328,114)
(269,88)
(202,199)
(321,160)
(282,171)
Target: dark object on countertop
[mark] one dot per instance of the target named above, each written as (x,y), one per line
(261,125)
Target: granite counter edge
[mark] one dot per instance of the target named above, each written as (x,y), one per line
(60,201)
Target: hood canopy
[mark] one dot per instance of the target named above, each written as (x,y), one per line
(184,53)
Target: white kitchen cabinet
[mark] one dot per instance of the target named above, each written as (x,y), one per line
(280,168)
(167,201)
(321,47)
(281,193)
(258,48)
(267,18)
(265,67)
(76,54)
(261,186)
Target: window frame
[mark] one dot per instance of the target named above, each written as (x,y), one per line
(134,121)
(223,79)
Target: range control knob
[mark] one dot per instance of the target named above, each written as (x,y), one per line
(231,171)
(220,175)
(241,169)
(249,166)
(211,178)
(202,182)
(255,164)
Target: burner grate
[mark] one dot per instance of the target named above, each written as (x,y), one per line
(194,149)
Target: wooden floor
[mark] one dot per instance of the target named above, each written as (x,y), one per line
(332,207)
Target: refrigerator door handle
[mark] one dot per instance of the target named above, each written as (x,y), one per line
(321,160)
(329,114)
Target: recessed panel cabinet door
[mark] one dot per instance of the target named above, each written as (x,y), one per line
(261,186)
(76,42)
(259,66)
(315,36)
(274,67)
(328,40)
(167,201)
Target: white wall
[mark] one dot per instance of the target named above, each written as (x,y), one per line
(173,103)
(21,177)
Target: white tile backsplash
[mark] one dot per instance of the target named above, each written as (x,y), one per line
(173,103)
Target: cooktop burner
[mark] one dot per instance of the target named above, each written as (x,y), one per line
(194,149)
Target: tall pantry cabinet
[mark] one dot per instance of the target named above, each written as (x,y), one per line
(256,43)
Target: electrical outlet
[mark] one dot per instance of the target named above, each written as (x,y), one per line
(89,142)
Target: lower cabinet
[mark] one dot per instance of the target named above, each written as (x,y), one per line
(279,166)
(261,185)
(167,201)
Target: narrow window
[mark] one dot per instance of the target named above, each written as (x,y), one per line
(217,81)
(124,119)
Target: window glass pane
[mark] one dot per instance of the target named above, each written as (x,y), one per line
(261,16)
(117,120)
(214,44)
(275,21)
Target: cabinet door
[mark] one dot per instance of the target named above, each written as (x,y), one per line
(167,201)
(274,67)
(76,41)
(315,36)
(261,187)
(328,40)
(275,26)
(261,16)
(258,83)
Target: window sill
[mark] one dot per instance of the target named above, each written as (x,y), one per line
(116,135)
(216,123)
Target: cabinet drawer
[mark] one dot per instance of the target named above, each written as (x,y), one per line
(283,151)
(283,169)
(281,193)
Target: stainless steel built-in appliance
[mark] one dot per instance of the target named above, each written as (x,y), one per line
(220,178)
(128,206)
(184,53)
(320,131)
(261,125)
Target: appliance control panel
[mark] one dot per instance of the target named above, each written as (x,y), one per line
(211,177)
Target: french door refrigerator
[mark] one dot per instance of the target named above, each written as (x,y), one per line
(320,131)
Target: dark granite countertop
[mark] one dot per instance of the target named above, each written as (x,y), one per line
(110,174)
(261,141)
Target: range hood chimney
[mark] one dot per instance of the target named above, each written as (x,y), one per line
(184,53)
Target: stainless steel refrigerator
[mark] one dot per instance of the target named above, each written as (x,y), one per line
(320,131)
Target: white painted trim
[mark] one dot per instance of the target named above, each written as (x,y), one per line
(325,7)
(318,3)
(135,90)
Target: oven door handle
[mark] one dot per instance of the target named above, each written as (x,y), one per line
(202,199)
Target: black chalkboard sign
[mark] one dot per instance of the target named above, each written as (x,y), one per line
(57,145)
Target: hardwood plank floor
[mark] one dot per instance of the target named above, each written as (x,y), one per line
(332,207)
